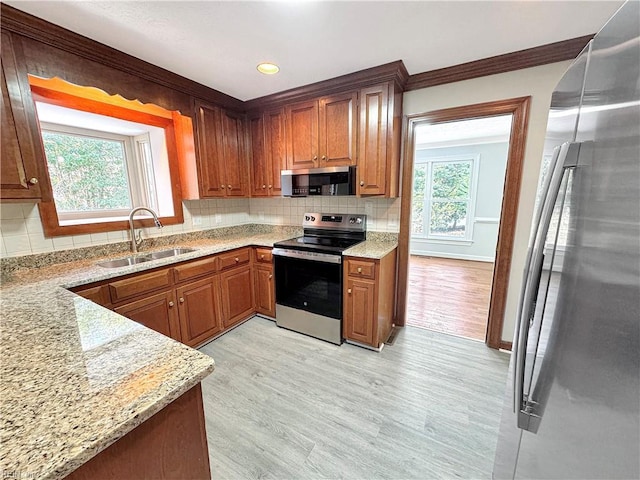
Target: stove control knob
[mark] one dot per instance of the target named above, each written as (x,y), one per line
(307,218)
(313,219)
(358,220)
(352,220)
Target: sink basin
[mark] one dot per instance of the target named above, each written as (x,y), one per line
(123,262)
(172,252)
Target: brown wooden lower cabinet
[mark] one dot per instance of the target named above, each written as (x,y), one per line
(171,444)
(198,312)
(369,290)
(265,290)
(236,287)
(158,312)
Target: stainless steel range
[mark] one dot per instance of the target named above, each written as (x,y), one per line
(309,274)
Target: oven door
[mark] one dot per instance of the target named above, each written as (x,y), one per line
(311,285)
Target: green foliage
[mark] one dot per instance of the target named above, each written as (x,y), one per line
(86,173)
(448,192)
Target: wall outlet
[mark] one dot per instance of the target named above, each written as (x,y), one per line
(218,218)
(196,220)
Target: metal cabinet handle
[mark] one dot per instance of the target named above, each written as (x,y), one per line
(33,181)
(359,269)
(237,259)
(315,158)
(270,276)
(324,157)
(221,186)
(171,304)
(229,187)
(270,186)
(262,257)
(349,291)
(181,300)
(264,186)
(362,183)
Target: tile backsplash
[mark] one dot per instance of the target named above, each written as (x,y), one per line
(21,229)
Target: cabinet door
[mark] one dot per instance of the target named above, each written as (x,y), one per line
(302,135)
(234,154)
(20,153)
(197,308)
(259,167)
(210,163)
(265,288)
(275,149)
(157,312)
(237,295)
(373,147)
(98,294)
(338,130)
(359,311)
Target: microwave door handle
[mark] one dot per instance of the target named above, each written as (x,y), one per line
(527,308)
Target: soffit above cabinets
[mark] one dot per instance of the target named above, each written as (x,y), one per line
(219,44)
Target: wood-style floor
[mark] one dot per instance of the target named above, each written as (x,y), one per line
(281,405)
(449,296)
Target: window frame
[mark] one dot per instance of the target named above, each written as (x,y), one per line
(474,160)
(57,92)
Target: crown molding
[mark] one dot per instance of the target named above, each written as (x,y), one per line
(530,57)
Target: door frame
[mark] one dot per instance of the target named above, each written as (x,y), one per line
(519,108)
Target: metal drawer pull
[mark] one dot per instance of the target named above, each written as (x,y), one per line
(262,257)
(270,276)
(349,291)
(171,304)
(181,300)
(237,259)
(33,180)
(359,269)
(362,183)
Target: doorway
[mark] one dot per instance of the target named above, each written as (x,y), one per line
(458,180)
(517,110)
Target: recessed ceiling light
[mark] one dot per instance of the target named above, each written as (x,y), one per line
(268,68)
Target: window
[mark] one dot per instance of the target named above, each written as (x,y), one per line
(96,174)
(105,156)
(443,198)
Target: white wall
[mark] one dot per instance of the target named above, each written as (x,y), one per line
(537,82)
(21,230)
(491,164)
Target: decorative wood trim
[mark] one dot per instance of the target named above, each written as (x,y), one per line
(519,108)
(530,57)
(506,345)
(14,20)
(394,71)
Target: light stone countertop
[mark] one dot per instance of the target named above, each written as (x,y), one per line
(75,377)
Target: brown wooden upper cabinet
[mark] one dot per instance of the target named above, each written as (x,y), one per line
(21,159)
(268,152)
(322,132)
(222,152)
(379,140)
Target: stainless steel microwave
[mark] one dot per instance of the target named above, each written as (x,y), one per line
(319,181)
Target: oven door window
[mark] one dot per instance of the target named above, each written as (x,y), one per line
(307,285)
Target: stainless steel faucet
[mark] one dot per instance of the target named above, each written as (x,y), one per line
(137,241)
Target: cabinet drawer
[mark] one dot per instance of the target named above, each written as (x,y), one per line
(139,284)
(263,255)
(195,269)
(361,269)
(231,259)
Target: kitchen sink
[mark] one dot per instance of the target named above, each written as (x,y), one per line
(135,259)
(172,252)
(123,262)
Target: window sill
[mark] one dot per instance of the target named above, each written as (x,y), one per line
(440,241)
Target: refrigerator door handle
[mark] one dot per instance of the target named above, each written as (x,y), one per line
(567,156)
(526,274)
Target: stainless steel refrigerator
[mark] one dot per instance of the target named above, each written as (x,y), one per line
(572,408)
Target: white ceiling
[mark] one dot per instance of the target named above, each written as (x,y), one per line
(219,44)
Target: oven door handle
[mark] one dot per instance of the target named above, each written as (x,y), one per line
(303,255)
